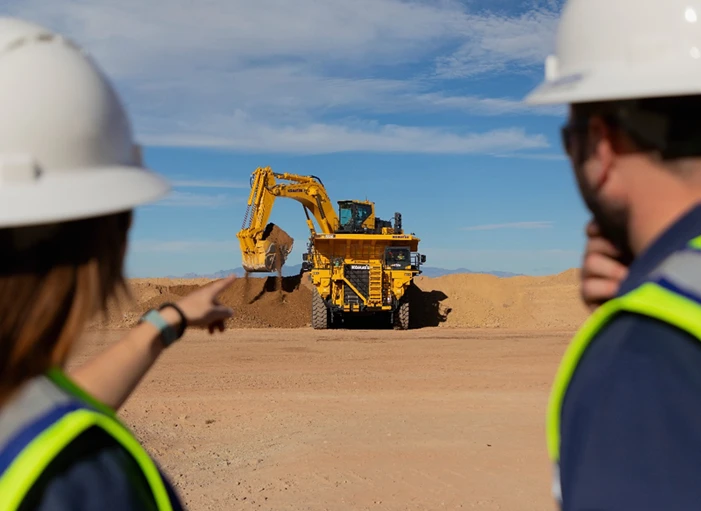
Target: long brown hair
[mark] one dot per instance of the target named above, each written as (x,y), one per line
(53,278)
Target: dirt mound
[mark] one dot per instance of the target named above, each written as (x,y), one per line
(486,301)
(465,301)
(263,303)
(258,303)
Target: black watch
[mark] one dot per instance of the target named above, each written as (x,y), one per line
(167,333)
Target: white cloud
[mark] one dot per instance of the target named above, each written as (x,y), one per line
(275,75)
(494,42)
(242,132)
(513,225)
(235,32)
(485,106)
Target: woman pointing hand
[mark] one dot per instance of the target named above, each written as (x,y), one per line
(112,376)
(70,177)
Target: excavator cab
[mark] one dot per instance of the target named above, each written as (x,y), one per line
(356,216)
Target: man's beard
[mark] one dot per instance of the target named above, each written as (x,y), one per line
(612,221)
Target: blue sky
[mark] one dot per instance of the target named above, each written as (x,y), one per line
(416,105)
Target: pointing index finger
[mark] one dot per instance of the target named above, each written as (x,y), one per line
(220,285)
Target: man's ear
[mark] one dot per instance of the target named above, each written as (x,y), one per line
(603,149)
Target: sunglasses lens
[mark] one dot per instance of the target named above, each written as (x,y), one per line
(566,134)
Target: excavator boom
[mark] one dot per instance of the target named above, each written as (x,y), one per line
(264,246)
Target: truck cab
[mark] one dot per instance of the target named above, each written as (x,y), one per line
(398,258)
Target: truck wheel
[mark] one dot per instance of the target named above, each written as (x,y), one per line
(320,313)
(401,317)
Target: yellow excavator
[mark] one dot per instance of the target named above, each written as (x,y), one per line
(358,264)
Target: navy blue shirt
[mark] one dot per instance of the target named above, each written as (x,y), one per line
(93,472)
(631,418)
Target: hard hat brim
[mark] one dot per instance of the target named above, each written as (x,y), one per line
(613,86)
(60,197)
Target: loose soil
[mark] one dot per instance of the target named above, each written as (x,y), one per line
(276,235)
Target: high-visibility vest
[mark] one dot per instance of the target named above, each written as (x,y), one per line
(47,414)
(671,293)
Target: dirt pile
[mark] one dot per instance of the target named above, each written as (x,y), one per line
(485,301)
(273,302)
(257,302)
(464,301)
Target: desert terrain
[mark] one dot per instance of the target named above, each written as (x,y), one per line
(273,415)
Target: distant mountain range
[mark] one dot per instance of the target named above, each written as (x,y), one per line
(288,271)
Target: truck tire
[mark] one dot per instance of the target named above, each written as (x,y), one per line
(320,313)
(401,316)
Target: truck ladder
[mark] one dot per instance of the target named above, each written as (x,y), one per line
(375,287)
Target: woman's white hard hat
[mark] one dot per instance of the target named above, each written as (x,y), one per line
(66,145)
(623,49)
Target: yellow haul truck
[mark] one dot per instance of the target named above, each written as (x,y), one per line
(358,263)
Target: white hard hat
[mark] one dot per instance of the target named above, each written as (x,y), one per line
(609,50)
(66,147)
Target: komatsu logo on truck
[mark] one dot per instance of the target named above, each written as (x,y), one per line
(359,267)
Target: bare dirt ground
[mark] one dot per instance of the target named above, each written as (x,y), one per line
(295,419)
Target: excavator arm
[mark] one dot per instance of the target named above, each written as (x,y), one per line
(264,246)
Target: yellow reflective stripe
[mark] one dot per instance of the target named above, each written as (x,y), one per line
(32,461)
(665,305)
(28,466)
(570,359)
(649,299)
(143,459)
(696,243)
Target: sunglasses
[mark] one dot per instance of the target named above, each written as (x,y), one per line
(573,128)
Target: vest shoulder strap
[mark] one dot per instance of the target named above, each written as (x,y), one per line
(672,293)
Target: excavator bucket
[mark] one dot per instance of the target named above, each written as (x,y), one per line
(270,253)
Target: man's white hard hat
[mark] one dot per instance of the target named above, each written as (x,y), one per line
(66,146)
(623,49)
